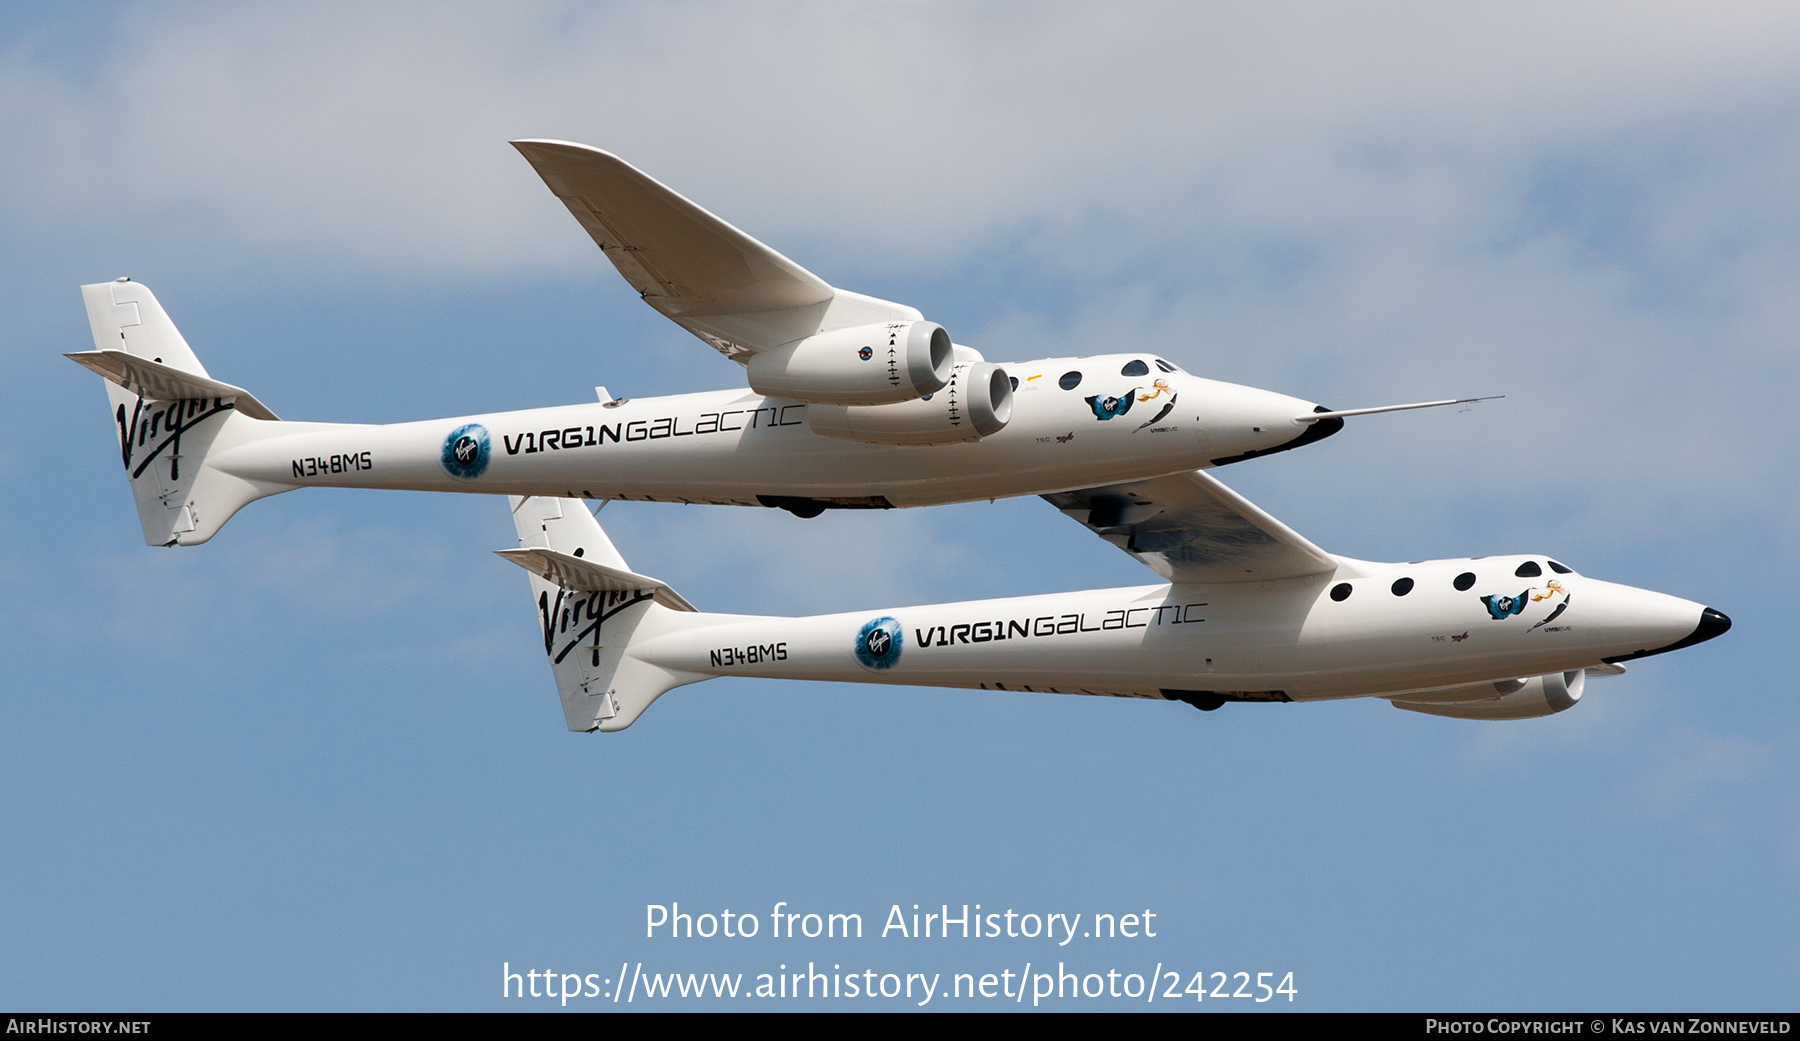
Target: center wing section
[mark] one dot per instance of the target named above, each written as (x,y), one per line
(1188,527)
(708,277)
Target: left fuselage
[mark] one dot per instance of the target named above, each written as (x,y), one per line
(1076,422)
(1399,628)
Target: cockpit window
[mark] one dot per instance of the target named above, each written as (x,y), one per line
(1529,569)
(1165,366)
(1135,367)
(1559,569)
(1069,381)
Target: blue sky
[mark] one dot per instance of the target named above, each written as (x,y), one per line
(318,763)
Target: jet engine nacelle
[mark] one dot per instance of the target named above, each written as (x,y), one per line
(862,365)
(975,403)
(1508,699)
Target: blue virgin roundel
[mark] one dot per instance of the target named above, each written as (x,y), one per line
(1107,407)
(465,452)
(878,643)
(1503,607)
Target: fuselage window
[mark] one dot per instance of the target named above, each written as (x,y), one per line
(1402,586)
(1464,581)
(1015,382)
(1559,569)
(1340,592)
(1069,381)
(1529,569)
(1165,366)
(1135,368)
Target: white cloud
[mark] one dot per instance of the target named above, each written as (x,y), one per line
(376,134)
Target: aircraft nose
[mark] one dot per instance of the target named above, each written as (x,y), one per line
(1712,623)
(1272,423)
(1321,429)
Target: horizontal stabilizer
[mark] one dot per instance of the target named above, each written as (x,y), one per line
(585,576)
(159,382)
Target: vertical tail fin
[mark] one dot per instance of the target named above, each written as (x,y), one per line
(168,414)
(591,609)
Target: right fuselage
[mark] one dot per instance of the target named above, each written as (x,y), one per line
(1398,628)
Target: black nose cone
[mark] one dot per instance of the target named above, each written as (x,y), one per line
(1318,430)
(1712,623)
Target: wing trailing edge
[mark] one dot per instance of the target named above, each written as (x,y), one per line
(1188,527)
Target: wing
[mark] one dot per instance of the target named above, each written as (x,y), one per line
(708,277)
(1188,527)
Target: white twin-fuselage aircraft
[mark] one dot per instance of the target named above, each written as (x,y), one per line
(856,402)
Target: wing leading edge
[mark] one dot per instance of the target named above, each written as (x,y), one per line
(708,277)
(1188,527)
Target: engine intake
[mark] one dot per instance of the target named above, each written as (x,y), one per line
(976,403)
(862,365)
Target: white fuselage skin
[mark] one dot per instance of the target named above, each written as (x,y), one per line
(1280,640)
(732,446)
